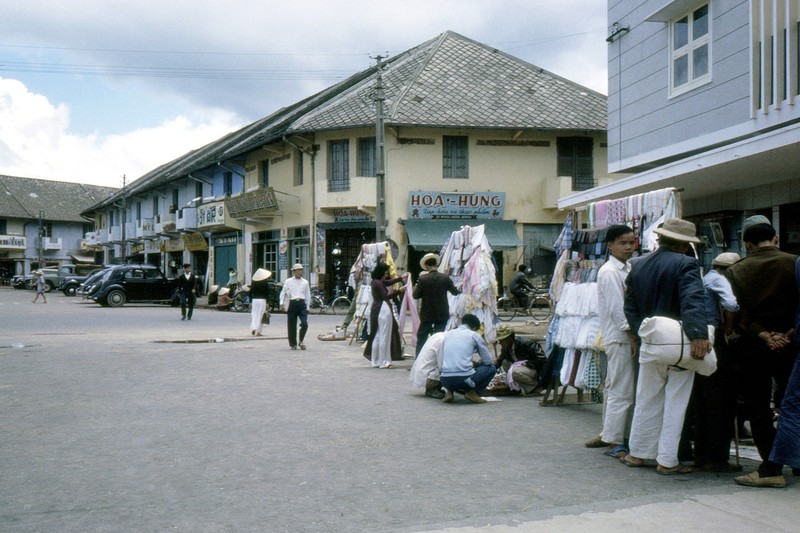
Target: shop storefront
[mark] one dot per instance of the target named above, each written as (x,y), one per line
(338,245)
(12,255)
(434,215)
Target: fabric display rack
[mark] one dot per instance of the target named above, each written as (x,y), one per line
(573,342)
(467,258)
(360,280)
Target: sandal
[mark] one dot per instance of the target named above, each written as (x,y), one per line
(632,463)
(302,346)
(678,469)
(617,452)
(596,442)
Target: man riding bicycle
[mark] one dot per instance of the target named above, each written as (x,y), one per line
(520,286)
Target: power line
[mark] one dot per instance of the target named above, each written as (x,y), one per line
(184,52)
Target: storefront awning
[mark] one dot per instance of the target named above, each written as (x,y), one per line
(433,234)
(82,258)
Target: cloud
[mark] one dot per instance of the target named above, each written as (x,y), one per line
(35,141)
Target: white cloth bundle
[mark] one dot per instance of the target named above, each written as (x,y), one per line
(664,342)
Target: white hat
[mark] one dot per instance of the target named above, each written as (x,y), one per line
(428,257)
(214,288)
(679,230)
(726,259)
(261,274)
(223,291)
(297,266)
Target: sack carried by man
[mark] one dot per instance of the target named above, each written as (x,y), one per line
(265,318)
(664,342)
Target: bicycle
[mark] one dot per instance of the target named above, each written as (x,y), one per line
(338,305)
(241,299)
(539,308)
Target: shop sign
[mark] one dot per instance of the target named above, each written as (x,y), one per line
(476,205)
(351,215)
(12,242)
(171,245)
(212,214)
(225,239)
(195,242)
(255,203)
(136,248)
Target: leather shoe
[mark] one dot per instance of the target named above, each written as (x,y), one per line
(753,479)
(473,396)
(448,396)
(435,393)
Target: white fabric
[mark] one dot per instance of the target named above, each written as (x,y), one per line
(665,342)
(662,394)
(426,365)
(619,393)
(382,344)
(257,309)
(611,300)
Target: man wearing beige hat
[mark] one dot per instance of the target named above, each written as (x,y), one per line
(765,287)
(259,296)
(295,299)
(432,288)
(665,283)
(521,359)
(713,404)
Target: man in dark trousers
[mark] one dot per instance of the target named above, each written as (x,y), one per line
(765,288)
(432,287)
(187,285)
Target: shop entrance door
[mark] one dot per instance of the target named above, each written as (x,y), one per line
(224,258)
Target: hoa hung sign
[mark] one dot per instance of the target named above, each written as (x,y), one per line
(476,205)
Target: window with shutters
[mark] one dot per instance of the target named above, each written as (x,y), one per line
(455,156)
(575,160)
(338,166)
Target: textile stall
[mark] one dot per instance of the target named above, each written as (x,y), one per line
(573,342)
(360,279)
(467,258)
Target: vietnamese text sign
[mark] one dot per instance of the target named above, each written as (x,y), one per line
(433,204)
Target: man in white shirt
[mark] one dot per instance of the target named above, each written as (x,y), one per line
(295,298)
(618,342)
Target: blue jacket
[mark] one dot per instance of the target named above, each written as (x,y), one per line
(666,283)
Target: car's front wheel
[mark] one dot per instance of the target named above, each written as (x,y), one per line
(116,298)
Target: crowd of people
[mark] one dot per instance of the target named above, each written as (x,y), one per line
(740,319)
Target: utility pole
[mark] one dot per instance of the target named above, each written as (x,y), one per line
(41,239)
(124,221)
(380,172)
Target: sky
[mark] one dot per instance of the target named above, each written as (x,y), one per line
(91,90)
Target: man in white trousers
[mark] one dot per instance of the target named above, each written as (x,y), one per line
(618,343)
(665,283)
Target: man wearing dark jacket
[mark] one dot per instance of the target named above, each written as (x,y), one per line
(522,360)
(187,285)
(432,287)
(765,287)
(665,283)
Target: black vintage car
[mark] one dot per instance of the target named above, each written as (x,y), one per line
(135,284)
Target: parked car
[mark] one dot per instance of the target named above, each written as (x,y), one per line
(70,284)
(53,276)
(121,284)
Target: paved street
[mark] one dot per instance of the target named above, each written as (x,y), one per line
(127,420)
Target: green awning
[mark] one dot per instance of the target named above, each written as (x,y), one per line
(430,235)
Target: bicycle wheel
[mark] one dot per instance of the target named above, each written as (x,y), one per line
(241,303)
(506,309)
(540,308)
(316,305)
(340,305)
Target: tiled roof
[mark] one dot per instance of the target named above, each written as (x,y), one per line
(452,81)
(449,81)
(59,200)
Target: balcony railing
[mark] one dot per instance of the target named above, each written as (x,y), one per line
(165,223)
(50,243)
(145,228)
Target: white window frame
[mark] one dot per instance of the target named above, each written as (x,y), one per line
(688,50)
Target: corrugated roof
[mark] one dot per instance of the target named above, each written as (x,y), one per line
(59,200)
